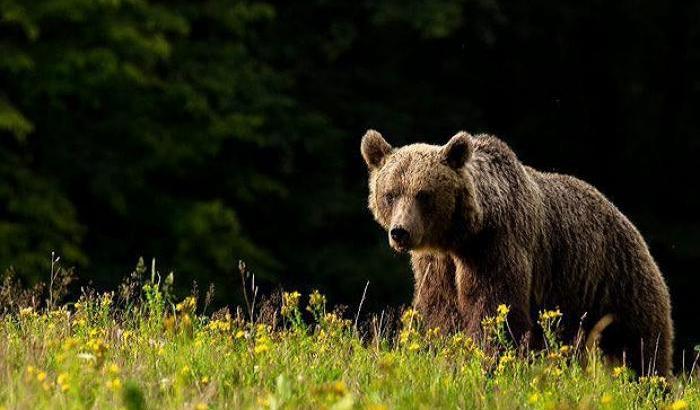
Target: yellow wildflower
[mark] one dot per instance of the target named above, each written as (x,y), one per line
(113,368)
(70,343)
(534,398)
(550,314)
(220,325)
(127,334)
(290,303)
(434,332)
(262,340)
(606,398)
(554,371)
(406,334)
(114,384)
(107,299)
(41,376)
(488,322)
(679,404)
(187,305)
(656,381)
(201,406)
(97,345)
(62,378)
(63,382)
(470,345)
(618,371)
(409,316)
(26,311)
(339,388)
(554,356)
(505,360)
(316,301)
(414,346)
(334,321)
(261,348)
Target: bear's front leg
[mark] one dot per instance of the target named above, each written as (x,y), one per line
(480,292)
(434,294)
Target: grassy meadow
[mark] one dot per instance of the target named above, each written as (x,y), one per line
(138,347)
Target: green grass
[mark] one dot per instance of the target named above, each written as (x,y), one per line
(143,350)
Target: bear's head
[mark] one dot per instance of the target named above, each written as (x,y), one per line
(423,195)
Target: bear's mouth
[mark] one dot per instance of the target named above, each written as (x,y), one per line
(400,247)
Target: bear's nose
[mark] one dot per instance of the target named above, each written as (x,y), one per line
(400,236)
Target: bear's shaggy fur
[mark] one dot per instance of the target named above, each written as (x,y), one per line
(483,229)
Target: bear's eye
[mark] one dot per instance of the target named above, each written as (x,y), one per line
(425,199)
(390,198)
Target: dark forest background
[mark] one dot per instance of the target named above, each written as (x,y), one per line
(201,133)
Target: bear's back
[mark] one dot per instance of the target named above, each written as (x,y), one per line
(595,252)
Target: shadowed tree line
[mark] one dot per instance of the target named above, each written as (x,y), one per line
(202,133)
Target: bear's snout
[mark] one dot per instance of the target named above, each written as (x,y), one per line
(400,237)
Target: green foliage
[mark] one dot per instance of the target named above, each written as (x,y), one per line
(13,121)
(136,114)
(37,219)
(434,19)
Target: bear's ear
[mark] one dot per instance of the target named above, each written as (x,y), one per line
(457,150)
(374,148)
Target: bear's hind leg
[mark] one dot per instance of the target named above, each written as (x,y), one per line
(647,353)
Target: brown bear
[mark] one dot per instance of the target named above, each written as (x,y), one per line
(483,229)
